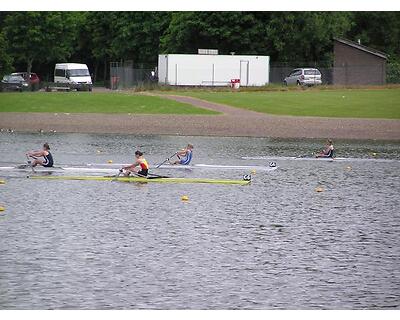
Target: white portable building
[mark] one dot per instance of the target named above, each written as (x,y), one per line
(212,70)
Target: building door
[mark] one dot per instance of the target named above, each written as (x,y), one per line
(244,72)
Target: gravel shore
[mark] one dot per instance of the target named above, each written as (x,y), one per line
(232,122)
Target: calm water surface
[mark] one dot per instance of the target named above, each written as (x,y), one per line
(275,244)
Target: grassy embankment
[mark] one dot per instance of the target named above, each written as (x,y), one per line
(343,103)
(85,102)
(322,102)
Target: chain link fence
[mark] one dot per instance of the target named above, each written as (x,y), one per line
(374,74)
(124,75)
(393,73)
(280,70)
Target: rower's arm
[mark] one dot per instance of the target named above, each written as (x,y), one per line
(131,166)
(182,152)
(35,153)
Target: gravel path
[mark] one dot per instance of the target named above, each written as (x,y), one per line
(232,122)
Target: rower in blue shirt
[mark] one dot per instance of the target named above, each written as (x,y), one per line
(184,156)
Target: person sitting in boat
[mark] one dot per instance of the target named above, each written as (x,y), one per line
(329,151)
(47,160)
(185,155)
(140,167)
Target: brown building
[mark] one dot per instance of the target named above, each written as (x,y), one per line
(355,64)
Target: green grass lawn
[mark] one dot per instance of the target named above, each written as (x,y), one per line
(86,102)
(346,103)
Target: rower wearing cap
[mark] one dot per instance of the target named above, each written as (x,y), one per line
(140,167)
(328,152)
(47,160)
(185,155)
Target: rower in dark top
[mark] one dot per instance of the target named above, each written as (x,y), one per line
(47,160)
(328,152)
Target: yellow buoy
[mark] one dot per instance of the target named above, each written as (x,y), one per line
(2,182)
(348,168)
(2,209)
(98,151)
(319,189)
(109,161)
(374,154)
(253,171)
(185,198)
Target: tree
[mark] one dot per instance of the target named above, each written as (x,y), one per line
(242,33)
(40,36)
(379,30)
(285,36)
(5,58)
(305,36)
(137,35)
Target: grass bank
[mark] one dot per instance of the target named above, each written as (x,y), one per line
(86,102)
(344,103)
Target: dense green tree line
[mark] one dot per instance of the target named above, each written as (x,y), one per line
(36,40)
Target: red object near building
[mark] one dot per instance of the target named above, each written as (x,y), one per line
(235,83)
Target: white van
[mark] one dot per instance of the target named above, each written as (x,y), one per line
(73,76)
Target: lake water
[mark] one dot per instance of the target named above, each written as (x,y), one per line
(274,244)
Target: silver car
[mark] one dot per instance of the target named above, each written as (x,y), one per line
(303,77)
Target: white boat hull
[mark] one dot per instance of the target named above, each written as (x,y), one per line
(113,168)
(191,167)
(269,158)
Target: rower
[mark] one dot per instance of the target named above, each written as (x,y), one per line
(141,163)
(47,160)
(328,152)
(184,155)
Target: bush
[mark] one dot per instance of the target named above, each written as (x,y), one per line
(393,72)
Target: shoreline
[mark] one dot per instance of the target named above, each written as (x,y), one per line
(240,123)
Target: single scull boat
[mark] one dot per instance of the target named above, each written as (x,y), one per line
(320,159)
(193,166)
(145,180)
(110,168)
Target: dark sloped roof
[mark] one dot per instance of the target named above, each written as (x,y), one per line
(362,48)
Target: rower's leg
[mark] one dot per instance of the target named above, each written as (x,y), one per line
(36,162)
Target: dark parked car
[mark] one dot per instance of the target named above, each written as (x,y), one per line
(14,83)
(33,79)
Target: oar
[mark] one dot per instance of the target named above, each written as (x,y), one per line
(157,175)
(166,160)
(149,175)
(119,173)
(121,170)
(305,155)
(30,163)
(115,176)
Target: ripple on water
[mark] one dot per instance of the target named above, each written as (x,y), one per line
(274,244)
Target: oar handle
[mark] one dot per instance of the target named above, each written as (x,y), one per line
(166,160)
(30,163)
